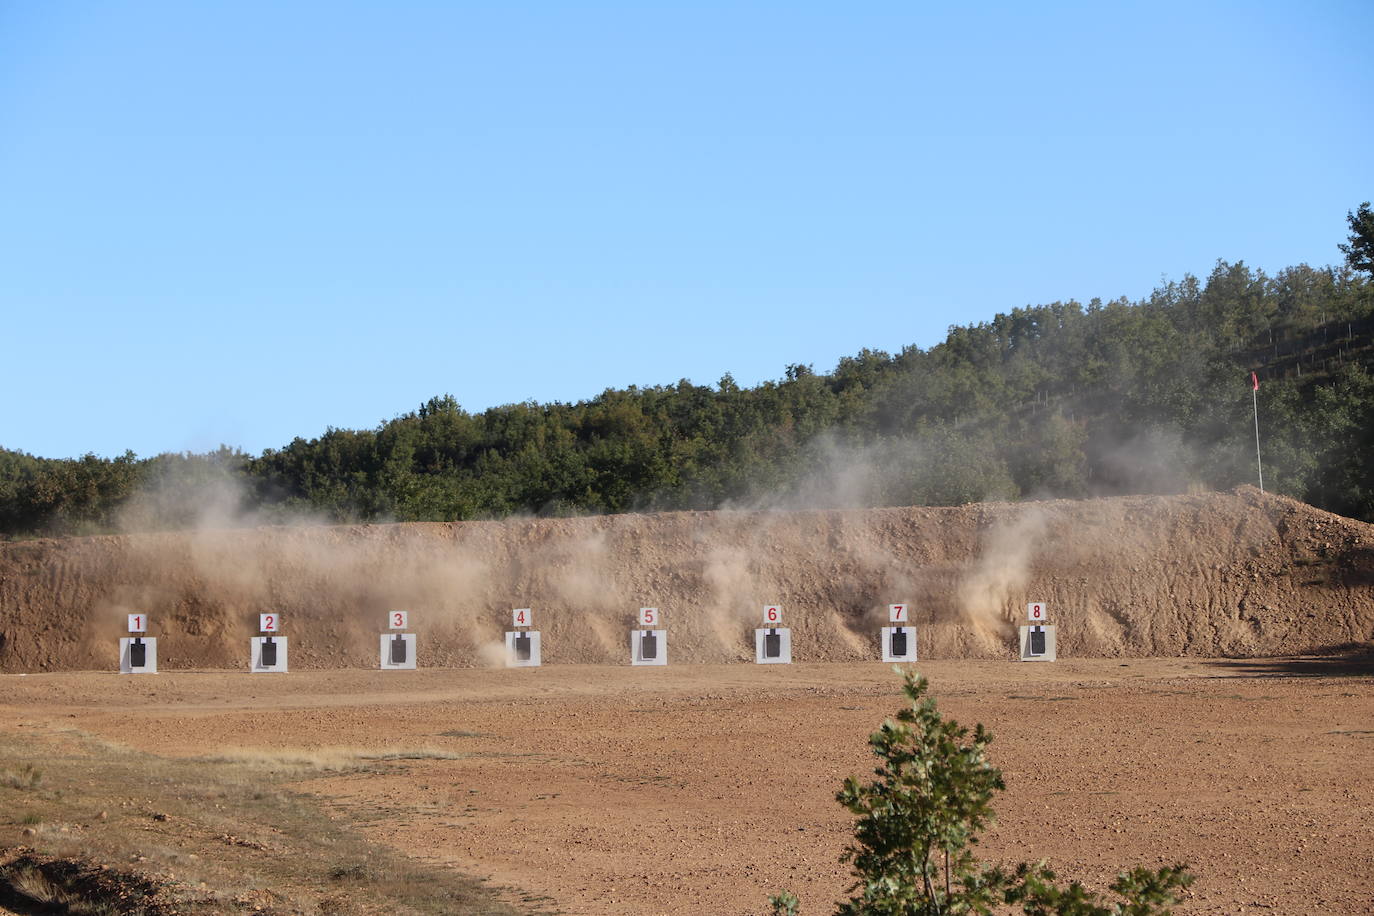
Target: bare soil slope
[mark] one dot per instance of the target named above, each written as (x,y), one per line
(1222,574)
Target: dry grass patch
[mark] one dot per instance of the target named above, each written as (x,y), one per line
(24,776)
(220,835)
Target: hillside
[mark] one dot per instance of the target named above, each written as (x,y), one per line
(1227,574)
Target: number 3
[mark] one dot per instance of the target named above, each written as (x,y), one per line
(398,619)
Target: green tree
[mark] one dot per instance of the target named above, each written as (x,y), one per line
(918,820)
(1359,253)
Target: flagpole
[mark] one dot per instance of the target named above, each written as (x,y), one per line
(1254,397)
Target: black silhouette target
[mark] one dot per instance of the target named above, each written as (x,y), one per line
(398,650)
(268,658)
(138,654)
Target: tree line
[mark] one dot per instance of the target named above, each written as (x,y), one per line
(1064,399)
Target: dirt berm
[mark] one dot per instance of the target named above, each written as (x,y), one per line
(1222,574)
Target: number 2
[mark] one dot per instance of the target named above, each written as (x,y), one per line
(271,623)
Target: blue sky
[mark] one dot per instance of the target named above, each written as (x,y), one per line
(245,221)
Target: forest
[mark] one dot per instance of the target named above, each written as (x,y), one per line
(1059,400)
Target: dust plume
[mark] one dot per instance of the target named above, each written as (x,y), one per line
(998,577)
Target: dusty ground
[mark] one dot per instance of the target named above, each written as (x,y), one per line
(702,789)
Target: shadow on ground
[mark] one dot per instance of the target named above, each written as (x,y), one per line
(1348,660)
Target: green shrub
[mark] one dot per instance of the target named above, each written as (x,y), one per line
(918,819)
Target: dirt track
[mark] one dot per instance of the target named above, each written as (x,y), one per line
(1223,574)
(701,789)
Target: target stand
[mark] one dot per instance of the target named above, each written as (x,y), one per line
(522,649)
(648,647)
(1037,639)
(899,644)
(649,642)
(1038,643)
(267,655)
(138,653)
(522,645)
(397,650)
(773,646)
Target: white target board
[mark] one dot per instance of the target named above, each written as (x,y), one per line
(1037,612)
(267,655)
(137,655)
(522,649)
(398,652)
(899,644)
(1038,644)
(398,620)
(648,647)
(900,614)
(773,646)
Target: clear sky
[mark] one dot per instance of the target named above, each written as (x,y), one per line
(245,221)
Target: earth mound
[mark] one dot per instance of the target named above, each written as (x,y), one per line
(1222,574)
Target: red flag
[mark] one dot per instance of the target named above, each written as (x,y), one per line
(1254,381)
